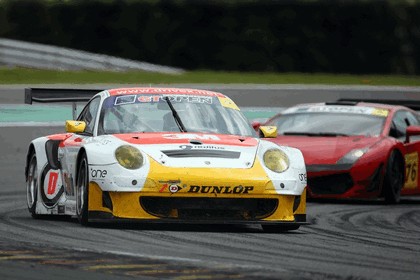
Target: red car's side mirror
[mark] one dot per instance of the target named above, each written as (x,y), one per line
(412,130)
(256,125)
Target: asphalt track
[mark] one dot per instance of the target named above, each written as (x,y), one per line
(346,240)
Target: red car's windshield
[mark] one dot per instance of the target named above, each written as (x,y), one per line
(328,124)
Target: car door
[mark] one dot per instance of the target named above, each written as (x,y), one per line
(402,119)
(72,145)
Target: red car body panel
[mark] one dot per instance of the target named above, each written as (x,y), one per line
(364,178)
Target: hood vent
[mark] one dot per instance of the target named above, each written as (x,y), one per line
(196,142)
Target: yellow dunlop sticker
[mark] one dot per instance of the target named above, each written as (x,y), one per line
(380,112)
(411,170)
(228,103)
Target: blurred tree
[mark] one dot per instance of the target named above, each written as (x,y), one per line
(360,36)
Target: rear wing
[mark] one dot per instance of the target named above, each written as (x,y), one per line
(412,104)
(56,95)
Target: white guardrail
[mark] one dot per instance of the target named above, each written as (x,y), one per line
(33,55)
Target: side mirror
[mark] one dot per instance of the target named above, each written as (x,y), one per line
(412,130)
(75,126)
(268,131)
(256,125)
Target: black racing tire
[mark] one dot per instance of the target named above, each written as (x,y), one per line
(279,228)
(32,186)
(82,191)
(394,178)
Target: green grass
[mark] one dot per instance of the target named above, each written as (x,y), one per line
(31,76)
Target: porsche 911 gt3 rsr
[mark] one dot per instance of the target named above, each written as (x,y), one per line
(163,155)
(353,149)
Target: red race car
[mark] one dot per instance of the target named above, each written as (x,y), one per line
(353,149)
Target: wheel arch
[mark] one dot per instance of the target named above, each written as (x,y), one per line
(38,147)
(31,150)
(399,154)
(81,153)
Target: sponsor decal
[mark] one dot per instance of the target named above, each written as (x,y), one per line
(221,189)
(165,91)
(176,99)
(68,182)
(98,173)
(228,103)
(172,186)
(125,99)
(104,142)
(302,177)
(340,109)
(380,112)
(191,136)
(149,99)
(76,123)
(51,186)
(70,208)
(199,147)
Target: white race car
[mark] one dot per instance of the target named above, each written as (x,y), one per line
(163,155)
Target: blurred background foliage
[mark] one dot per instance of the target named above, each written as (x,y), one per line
(355,37)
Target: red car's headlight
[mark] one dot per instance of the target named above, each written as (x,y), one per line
(352,156)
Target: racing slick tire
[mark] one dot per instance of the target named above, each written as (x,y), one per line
(394,178)
(82,191)
(279,228)
(32,186)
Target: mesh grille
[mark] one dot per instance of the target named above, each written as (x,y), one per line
(209,208)
(331,184)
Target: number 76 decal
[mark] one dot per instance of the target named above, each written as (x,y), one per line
(411,170)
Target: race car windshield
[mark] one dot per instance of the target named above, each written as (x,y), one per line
(153,113)
(328,124)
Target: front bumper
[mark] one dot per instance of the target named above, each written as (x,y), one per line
(328,181)
(194,208)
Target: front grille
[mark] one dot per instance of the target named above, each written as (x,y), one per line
(209,208)
(331,184)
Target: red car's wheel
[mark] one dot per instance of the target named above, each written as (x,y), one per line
(394,178)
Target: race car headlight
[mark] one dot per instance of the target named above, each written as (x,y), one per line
(276,160)
(129,157)
(352,156)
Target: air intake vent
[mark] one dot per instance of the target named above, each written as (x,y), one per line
(201,153)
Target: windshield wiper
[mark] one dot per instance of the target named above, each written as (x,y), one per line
(175,115)
(332,134)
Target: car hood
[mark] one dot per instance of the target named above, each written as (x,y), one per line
(196,149)
(325,150)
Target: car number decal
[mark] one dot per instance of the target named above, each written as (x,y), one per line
(51,186)
(411,170)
